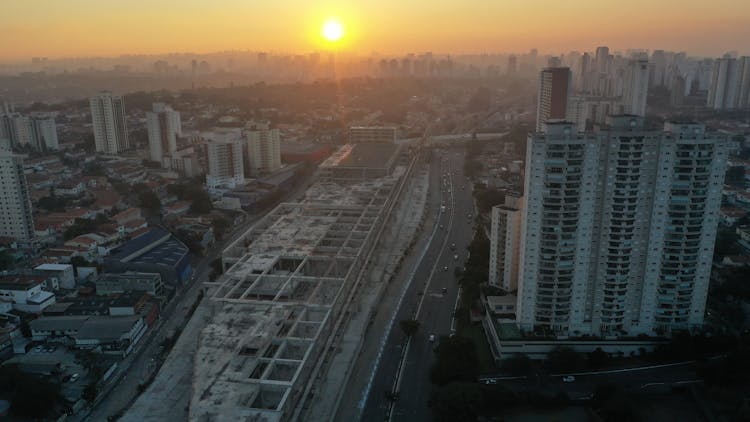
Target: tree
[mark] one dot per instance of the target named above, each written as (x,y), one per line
(457,401)
(201,203)
(517,365)
(409,326)
(149,201)
(53,203)
(79,227)
(598,358)
(563,359)
(27,392)
(90,392)
(456,361)
(220,225)
(735,175)
(6,260)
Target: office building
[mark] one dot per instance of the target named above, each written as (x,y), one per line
(505,243)
(108,120)
(164,126)
(635,88)
(360,134)
(619,227)
(554,90)
(263,149)
(16,218)
(225,166)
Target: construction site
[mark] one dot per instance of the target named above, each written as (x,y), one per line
(284,295)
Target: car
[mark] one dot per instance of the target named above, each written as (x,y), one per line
(444,290)
(441,227)
(38,349)
(490,381)
(74,377)
(445,268)
(455,256)
(432,338)
(569,378)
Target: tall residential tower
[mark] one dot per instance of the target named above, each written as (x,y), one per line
(619,227)
(108,119)
(16,219)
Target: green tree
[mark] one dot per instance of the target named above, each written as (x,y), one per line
(149,201)
(409,326)
(564,359)
(201,203)
(456,361)
(220,226)
(457,401)
(517,365)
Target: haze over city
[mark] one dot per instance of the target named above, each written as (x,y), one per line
(79,28)
(399,211)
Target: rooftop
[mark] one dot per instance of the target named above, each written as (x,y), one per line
(362,155)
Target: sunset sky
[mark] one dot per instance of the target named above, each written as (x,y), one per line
(57,28)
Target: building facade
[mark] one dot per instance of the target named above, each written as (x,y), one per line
(164,126)
(635,87)
(619,227)
(505,243)
(225,164)
(263,149)
(554,91)
(16,219)
(359,134)
(108,122)
(730,84)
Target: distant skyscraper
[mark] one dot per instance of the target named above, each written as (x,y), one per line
(225,166)
(635,89)
(16,219)
(505,243)
(108,118)
(619,227)
(554,90)
(263,149)
(512,65)
(730,84)
(602,59)
(164,126)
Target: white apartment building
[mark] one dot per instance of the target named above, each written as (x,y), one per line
(635,87)
(16,219)
(164,126)
(359,134)
(554,91)
(619,227)
(225,164)
(263,149)
(38,132)
(108,120)
(505,243)
(730,84)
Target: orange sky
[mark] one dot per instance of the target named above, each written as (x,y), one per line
(56,28)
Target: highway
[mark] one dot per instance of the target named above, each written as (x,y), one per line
(430,298)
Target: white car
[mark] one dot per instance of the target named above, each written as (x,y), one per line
(432,338)
(569,378)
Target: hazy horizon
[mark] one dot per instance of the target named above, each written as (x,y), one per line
(80,29)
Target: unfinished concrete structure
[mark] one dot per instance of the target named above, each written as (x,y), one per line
(287,281)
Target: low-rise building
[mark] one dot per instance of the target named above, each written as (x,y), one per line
(62,272)
(107,284)
(26,293)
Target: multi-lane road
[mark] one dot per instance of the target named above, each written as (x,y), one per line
(430,298)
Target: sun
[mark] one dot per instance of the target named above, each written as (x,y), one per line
(332,30)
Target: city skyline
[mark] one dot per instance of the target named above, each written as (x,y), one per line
(66,30)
